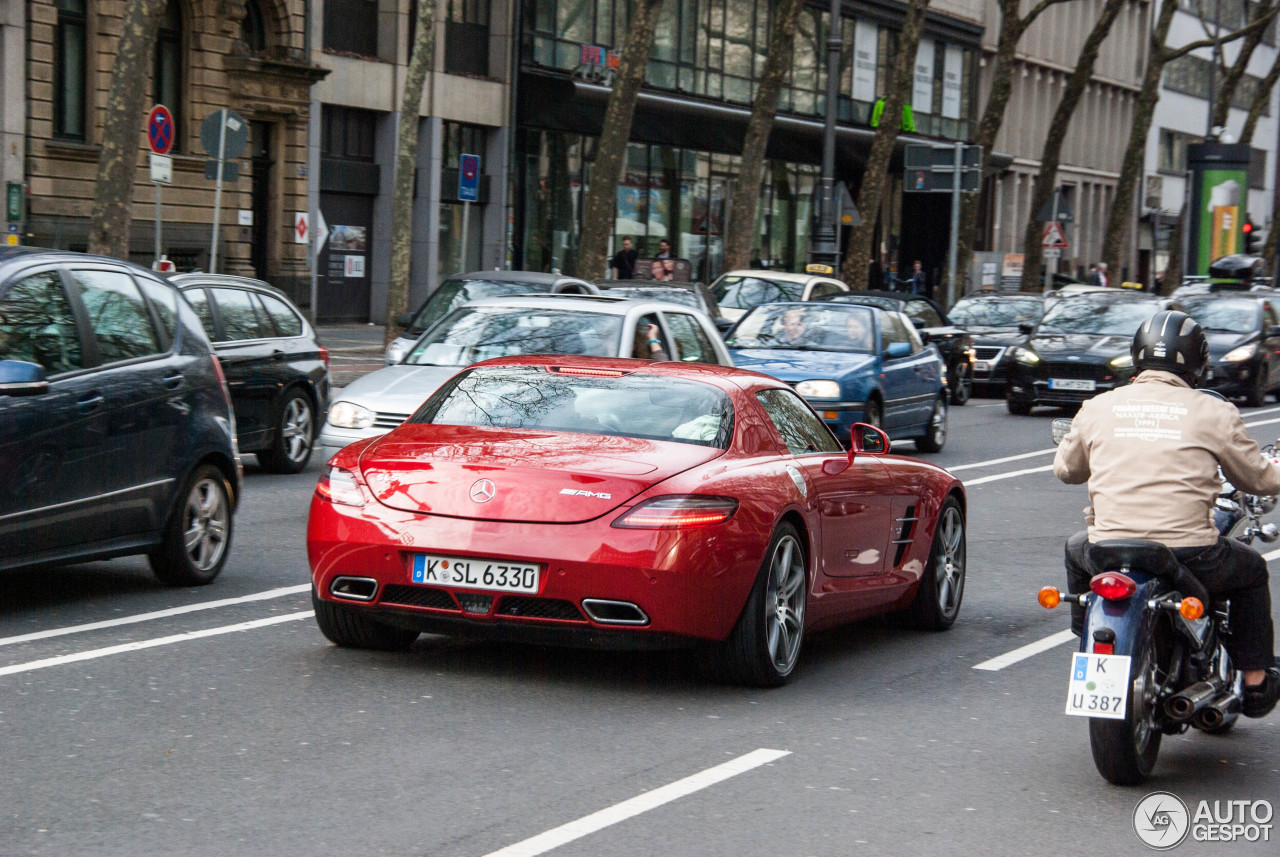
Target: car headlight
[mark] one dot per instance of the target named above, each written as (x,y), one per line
(1244,352)
(1025,356)
(395,352)
(1124,361)
(818,389)
(350,415)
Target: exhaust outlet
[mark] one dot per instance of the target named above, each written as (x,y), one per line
(354,588)
(614,612)
(1218,714)
(1182,705)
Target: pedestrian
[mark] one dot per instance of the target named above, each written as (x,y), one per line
(623,263)
(919,280)
(1102,274)
(664,249)
(1092,277)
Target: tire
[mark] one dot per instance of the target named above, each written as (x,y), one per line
(874,413)
(1018,407)
(1257,395)
(764,646)
(935,431)
(197,536)
(295,435)
(963,389)
(350,628)
(1124,751)
(937,601)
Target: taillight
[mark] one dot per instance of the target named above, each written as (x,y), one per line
(672,513)
(222,378)
(1113,585)
(1104,648)
(324,355)
(338,485)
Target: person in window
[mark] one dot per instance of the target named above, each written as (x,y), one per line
(648,346)
(855,327)
(664,249)
(623,264)
(794,331)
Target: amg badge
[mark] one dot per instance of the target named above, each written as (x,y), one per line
(573,492)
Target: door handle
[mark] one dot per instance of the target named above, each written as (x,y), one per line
(278,355)
(172,382)
(90,402)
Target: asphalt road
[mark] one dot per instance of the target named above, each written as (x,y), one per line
(139,720)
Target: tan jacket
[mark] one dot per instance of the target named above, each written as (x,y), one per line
(1150,453)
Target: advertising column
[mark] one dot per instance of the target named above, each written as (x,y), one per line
(1216,208)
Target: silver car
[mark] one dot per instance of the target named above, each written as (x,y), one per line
(501,327)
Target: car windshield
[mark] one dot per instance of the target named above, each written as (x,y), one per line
(684,297)
(649,407)
(472,334)
(975,312)
(1109,318)
(808,327)
(454,293)
(1228,316)
(748,292)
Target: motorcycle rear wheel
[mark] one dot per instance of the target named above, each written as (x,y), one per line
(1124,751)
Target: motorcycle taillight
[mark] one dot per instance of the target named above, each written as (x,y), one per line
(1113,586)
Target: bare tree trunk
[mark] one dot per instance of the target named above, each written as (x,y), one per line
(598,209)
(1012,28)
(406,161)
(1033,254)
(876,173)
(1261,98)
(1231,80)
(1173,271)
(126,101)
(745,192)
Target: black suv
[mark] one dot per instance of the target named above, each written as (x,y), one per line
(277,371)
(116,430)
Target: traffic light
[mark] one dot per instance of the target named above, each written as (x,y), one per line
(1252,239)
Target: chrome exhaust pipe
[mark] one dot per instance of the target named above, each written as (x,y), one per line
(1219,714)
(1188,702)
(614,612)
(354,588)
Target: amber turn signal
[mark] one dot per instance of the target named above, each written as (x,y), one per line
(1191,608)
(1049,597)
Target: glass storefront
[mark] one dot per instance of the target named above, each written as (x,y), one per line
(676,194)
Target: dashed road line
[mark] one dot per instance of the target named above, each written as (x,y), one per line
(1008,458)
(969,483)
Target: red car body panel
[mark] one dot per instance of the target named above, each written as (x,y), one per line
(868,524)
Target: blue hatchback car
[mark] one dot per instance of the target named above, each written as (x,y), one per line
(116,430)
(852,364)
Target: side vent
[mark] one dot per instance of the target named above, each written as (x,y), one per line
(906,535)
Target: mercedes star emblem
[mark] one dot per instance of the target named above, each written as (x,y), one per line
(483,490)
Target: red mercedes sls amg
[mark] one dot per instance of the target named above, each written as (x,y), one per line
(610,502)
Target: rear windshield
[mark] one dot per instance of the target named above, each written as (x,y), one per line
(748,292)
(684,297)
(472,334)
(650,407)
(455,293)
(975,312)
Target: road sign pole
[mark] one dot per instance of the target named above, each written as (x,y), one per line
(953,249)
(217,194)
(158,244)
(466,212)
(1053,260)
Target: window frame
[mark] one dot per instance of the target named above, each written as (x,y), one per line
(88,357)
(67,20)
(89,336)
(784,392)
(169,37)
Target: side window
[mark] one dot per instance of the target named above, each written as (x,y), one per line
(199,301)
(892,330)
(693,343)
(643,335)
(821,290)
(287,321)
(118,315)
(36,325)
(239,317)
(164,301)
(925,312)
(799,426)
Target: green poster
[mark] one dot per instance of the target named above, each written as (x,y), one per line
(1223,200)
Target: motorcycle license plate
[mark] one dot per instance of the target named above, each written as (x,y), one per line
(1099,686)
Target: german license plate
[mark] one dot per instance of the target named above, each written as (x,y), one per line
(469,572)
(1099,686)
(1082,384)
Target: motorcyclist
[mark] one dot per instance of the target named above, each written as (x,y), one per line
(1150,452)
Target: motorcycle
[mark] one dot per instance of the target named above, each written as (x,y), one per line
(1151,661)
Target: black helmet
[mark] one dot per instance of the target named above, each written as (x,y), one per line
(1172,341)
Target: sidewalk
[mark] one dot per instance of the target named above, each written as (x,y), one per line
(354,350)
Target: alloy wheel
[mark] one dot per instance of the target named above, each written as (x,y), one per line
(949,566)
(207,518)
(784,604)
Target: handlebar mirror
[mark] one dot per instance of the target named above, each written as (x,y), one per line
(1060,427)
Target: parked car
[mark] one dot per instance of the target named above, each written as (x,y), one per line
(852,364)
(277,371)
(994,320)
(461,288)
(739,291)
(1244,342)
(1078,349)
(116,427)
(696,295)
(499,327)
(930,319)
(620,503)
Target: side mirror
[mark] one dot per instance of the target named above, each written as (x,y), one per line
(1026,328)
(866,439)
(19,378)
(404,319)
(1060,427)
(898,349)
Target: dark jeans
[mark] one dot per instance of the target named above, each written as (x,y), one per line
(1229,569)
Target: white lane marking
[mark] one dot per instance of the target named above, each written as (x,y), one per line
(969,483)
(1030,650)
(1002,460)
(151,644)
(588,824)
(1262,411)
(158,614)
(1272,555)
(1261,423)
